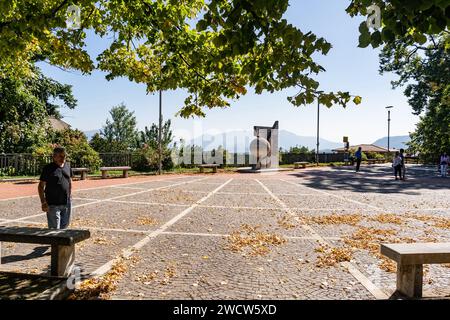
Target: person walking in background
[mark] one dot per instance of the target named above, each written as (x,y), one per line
(358,157)
(445,160)
(397,164)
(402,156)
(55,189)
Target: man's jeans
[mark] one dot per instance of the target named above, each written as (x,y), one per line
(58,217)
(444,169)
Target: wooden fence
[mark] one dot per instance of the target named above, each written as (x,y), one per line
(15,164)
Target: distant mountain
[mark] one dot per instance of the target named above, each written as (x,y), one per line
(242,139)
(90,133)
(288,139)
(396,142)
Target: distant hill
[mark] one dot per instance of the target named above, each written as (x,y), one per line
(396,142)
(243,138)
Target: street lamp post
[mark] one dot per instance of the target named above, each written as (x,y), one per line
(318,125)
(389,125)
(160,135)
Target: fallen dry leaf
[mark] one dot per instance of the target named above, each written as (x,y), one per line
(147,221)
(286,222)
(329,257)
(350,219)
(388,218)
(100,288)
(249,238)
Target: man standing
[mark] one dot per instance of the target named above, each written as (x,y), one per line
(402,156)
(55,188)
(445,160)
(358,156)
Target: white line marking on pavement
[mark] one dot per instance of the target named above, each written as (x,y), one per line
(18,198)
(227,235)
(135,202)
(242,193)
(334,195)
(212,183)
(150,203)
(129,251)
(197,234)
(131,188)
(113,198)
(237,207)
(86,199)
(288,211)
(85,227)
(372,288)
(109,186)
(419,209)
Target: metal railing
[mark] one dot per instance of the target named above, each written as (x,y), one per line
(27,164)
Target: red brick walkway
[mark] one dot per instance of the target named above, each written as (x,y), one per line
(23,189)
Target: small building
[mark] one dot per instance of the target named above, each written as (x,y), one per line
(366,148)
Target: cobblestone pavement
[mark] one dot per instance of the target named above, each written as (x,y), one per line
(250,236)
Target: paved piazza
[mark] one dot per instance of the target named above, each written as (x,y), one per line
(304,234)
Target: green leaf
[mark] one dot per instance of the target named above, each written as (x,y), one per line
(364,40)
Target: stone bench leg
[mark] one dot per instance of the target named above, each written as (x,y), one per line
(62,261)
(104,175)
(214,169)
(125,173)
(83,175)
(201,169)
(410,280)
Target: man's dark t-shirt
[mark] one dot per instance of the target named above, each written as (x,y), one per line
(57,183)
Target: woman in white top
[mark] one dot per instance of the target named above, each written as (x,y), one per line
(397,164)
(444,164)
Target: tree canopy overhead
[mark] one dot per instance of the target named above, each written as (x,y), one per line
(214,50)
(25,107)
(406,20)
(425,74)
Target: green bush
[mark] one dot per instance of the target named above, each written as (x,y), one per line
(42,153)
(363,156)
(80,153)
(146,159)
(7,171)
(375,155)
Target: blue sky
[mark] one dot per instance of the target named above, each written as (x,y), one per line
(349,68)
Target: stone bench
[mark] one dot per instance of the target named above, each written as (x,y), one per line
(212,166)
(82,171)
(62,244)
(302,164)
(410,258)
(105,170)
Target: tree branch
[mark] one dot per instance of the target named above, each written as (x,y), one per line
(27,18)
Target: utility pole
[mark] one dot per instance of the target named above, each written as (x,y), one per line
(317,145)
(160,135)
(389,125)
(318,126)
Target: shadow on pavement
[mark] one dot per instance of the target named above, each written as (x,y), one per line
(37,252)
(376,179)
